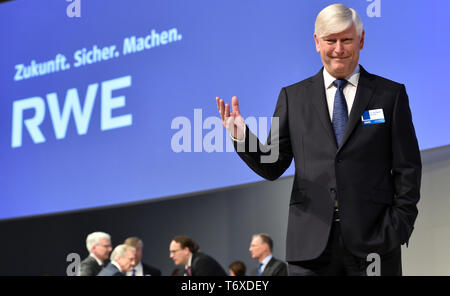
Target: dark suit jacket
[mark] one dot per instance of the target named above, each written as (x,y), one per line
(110,270)
(375,174)
(150,270)
(89,267)
(275,267)
(204,265)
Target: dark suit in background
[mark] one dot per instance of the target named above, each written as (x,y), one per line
(110,270)
(89,267)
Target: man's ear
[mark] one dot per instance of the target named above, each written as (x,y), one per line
(317,43)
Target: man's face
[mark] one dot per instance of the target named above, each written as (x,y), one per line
(127,261)
(102,249)
(179,256)
(340,52)
(138,254)
(258,248)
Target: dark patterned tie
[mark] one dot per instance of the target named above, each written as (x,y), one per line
(259,268)
(340,111)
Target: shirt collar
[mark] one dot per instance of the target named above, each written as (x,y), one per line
(116,265)
(266,260)
(100,262)
(189,261)
(352,78)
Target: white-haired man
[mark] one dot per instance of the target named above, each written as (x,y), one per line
(357,160)
(99,247)
(122,259)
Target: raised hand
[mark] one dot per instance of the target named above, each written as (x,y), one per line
(233,122)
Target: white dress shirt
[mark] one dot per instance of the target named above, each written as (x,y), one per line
(330,91)
(349,93)
(189,264)
(349,89)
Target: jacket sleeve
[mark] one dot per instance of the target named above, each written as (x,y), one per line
(269,160)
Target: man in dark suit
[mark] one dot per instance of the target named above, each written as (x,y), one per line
(357,160)
(261,248)
(122,259)
(140,268)
(110,270)
(184,251)
(99,247)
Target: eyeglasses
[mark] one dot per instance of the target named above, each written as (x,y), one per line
(174,251)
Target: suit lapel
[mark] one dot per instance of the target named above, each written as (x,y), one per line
(363,95)
(316,92)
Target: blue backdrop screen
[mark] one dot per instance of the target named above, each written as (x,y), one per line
(117,105)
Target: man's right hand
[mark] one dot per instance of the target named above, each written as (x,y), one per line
(233,122)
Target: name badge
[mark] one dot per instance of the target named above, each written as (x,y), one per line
(372,116)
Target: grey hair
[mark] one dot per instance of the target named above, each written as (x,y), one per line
(120,251)
(336,18)
(95,238)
